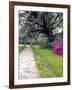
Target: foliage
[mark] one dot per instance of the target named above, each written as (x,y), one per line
(49,64)
(58,47)
(43,40)
(32,23)
(59,51)
(21,41)
(21,47)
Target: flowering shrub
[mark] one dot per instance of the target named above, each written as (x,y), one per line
(58,47)
(59,51)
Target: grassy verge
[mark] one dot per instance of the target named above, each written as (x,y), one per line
(21,47)
(49,64)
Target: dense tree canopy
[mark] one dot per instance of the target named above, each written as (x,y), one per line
(32,23)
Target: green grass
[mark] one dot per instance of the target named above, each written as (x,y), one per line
(49,64)
(21,47)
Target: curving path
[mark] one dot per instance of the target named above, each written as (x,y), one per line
(27,66)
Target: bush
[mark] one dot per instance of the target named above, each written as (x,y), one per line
(43,41)
(21,47)
(58,47)
(21,41)
(59,51)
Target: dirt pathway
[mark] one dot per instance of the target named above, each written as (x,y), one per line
(27,66)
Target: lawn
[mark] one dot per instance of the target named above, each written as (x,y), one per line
(21,47)
(49,64)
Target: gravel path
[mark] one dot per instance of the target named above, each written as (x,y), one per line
(27,66)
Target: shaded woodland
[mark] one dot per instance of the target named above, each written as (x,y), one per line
(42,33)
(34,26)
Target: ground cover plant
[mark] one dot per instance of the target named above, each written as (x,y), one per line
(49,64)
(21,47)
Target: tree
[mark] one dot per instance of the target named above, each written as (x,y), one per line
(32,23)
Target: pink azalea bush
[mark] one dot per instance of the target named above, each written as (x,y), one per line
(58,47)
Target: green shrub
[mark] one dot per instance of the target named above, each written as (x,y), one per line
(21,47)
(21,41)
(43,41)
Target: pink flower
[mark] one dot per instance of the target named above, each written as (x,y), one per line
(58,47)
